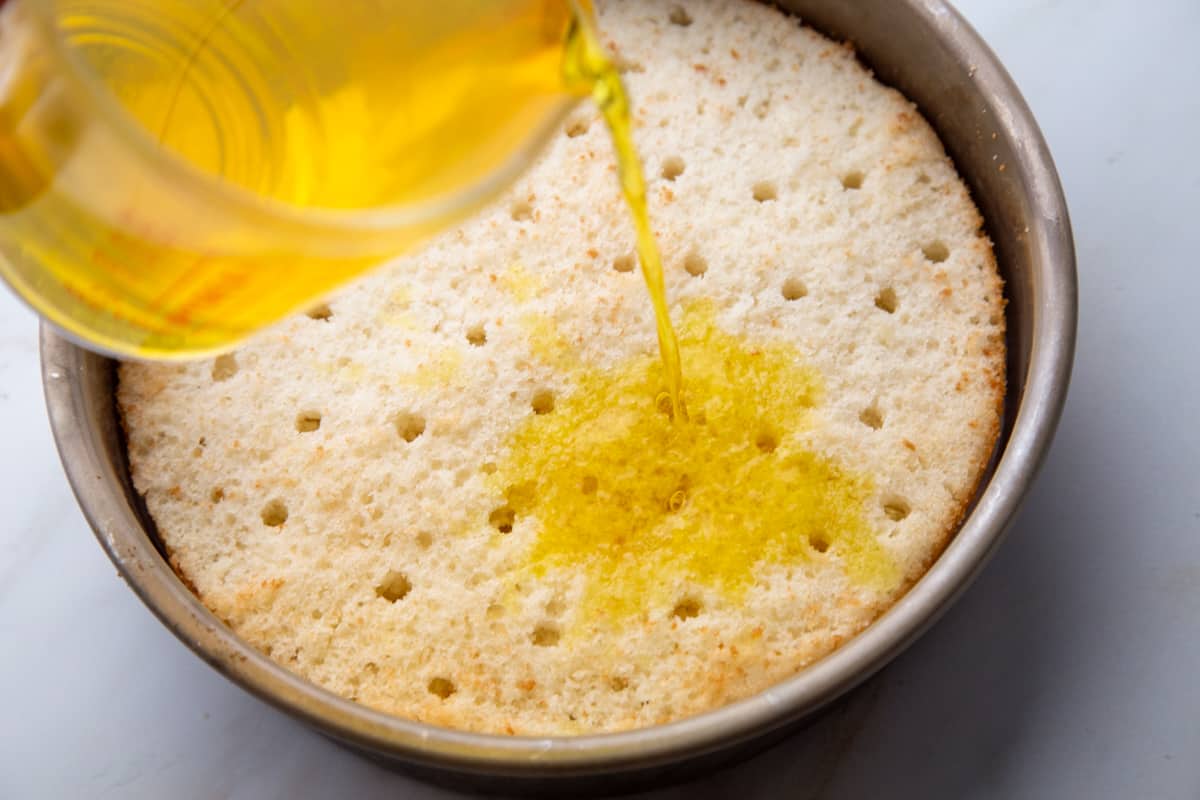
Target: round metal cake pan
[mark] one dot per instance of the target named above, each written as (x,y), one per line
(926,50)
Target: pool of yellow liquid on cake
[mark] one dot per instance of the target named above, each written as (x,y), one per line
(645,503)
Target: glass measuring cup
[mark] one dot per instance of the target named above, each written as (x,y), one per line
(176,174)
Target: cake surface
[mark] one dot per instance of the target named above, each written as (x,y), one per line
(380,494)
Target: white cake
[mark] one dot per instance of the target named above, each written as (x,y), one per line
(330,489)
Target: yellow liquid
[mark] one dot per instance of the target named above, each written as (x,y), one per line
(313,116)
(647,498)
(321,105)
(587,62)
(645,504)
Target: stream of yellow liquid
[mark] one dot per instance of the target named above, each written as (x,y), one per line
(587,61)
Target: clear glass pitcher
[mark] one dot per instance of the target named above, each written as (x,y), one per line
(176,174)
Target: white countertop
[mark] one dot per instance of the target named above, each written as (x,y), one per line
(1070,669)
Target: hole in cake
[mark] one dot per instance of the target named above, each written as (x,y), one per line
(662,402)
(625,263)
(589,484)
(394,586)
(545,636)
(886,300)
(852,180)
(793,289)
(503,518)
(764,191)
(321,312)
(896,507)
(818,541)
(871,417)
(521,211)
(578,127)
(308,421)
(425,539)
(766,441)
(687,608)
(224,367)
(618,684)
(217,495)
(625,65)
(274,513)
(937,252)
(409,425)
(695,264)
(477,335)
(679,16)
(672,168)
(495,611)
(543,402)
(442,687)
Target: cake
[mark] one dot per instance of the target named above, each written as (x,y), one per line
(450,492)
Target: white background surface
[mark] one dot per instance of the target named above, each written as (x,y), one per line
(1071,668)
